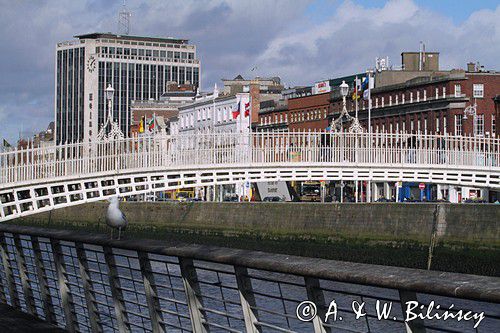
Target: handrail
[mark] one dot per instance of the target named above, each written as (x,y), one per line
(148,286)
(473,287)
(262,148)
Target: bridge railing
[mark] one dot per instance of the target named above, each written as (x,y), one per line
(88,283)
(221,149)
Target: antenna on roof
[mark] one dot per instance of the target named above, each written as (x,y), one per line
(124,20)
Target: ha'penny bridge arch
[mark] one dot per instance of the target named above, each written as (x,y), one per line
(84,282)
(34,180)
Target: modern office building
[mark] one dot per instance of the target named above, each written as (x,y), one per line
(138,68)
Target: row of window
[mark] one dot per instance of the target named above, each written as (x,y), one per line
(309,115)
(126,42)
(416,125)
(69,95)
(144,52)
(222,114)
(422,125)
(479,130)
(274,119)
(421,95)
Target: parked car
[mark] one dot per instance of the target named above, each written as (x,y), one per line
(273,199)
(231,198)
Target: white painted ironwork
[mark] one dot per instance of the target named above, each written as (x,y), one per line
(201,288)
(115,132)
(471,110)
(336,124)
(39,179)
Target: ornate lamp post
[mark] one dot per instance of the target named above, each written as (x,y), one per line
(471,110)
(336,124)
(110,92)
(115,132)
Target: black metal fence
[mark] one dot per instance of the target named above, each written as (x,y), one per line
(88,283)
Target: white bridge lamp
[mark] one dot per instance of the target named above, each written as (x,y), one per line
(115,132)
(344,90)
(110,92)
(355,126)
(471,110)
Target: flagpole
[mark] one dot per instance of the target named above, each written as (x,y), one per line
(369,103)
(356,94)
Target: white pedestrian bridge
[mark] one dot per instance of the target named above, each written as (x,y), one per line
(33,180)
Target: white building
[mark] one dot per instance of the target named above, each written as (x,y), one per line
(138,68)
(213,113)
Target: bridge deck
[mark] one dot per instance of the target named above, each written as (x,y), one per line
(12,320)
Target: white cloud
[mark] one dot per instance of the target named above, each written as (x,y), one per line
(353,36)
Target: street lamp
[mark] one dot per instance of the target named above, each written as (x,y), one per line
(115,132)
(355,126)
(344,90)
(110,91)
(471,110)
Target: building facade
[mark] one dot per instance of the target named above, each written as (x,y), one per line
(273,116)
(309,112)
(214,112)
(496,100)
(239,84)
(434,105)
(166,109)
(138,68)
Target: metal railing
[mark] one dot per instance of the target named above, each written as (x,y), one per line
(257,149)
(88,283)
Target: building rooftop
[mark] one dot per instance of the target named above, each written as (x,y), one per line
(108,35)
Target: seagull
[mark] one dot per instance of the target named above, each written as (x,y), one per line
(115,217)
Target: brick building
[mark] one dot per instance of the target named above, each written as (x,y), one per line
(309,112)
(496,99)
(432,104)
(273,116)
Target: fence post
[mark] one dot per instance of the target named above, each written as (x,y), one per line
(316,296)
(194,301)
(247,299)
(151,293)
(62,282)
(48,307)
(414,326)
(9,275)
(116,292)
(23,276)
(88,288)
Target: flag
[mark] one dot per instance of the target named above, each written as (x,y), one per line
(364,83)
(365,87)
(357,89)
(151,124)
(141,125)
(365,94)
(236,112)
(247,109)
(6,144)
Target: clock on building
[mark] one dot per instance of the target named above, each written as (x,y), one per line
(91,64)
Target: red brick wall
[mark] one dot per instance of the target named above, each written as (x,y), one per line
(255,102)
(309,112)
(485,105)
(497,116)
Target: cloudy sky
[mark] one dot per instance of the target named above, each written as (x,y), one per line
(301,41)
